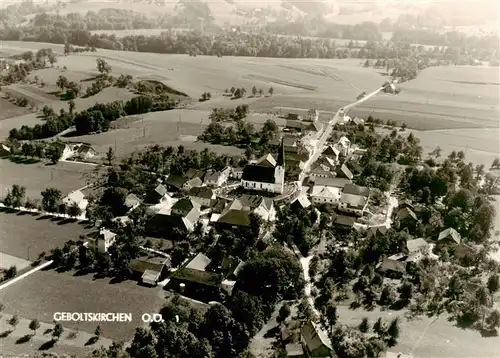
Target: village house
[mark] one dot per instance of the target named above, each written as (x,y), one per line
(300,202)
(376,231)
(76,198)
(343,146)
(354,199)
(85,151)
(192,183)
(236,173)
(316,340)
(237,213)
(449,237)
(332,152)
(321,171)
(194,281)
(203,195)
(312,115)
(267,174)
(132,201)
(217,178)
(344,172)
(393,266)
(325,194)
(182,217)
(406,218)
(175,182)
(294,350)
(150,270)
(344,222)
(417,248)
(101,240)
(185,207)
(339,183)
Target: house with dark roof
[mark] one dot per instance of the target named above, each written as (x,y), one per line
(320,170)
(183,216)
(157,194)
(316,340)
(376,231)
(332,152)
(85,151)
(300,202)
(344,222)
(343,145)
(267,174)
(175,181)
(203,195)
(392,266)
(193,280)
(185,207)
(449,236)
(354,199)
(237,212)
(150,270)
(406,213)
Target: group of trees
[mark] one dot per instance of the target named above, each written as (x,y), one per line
(73,89)
(40,150)
(93,119)
(18,72)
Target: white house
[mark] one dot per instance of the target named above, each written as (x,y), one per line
(267,174)
(343,145)
(312,115)
(217,178)
(76,197)
(325,194)
(103,240)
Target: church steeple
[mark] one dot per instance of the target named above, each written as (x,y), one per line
(280,162)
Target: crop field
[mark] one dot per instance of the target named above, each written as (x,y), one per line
(169,128)
(46,292)
(37,177)
(25,236)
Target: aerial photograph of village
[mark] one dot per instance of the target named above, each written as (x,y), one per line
(250,179)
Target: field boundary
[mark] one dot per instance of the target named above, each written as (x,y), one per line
(280,82)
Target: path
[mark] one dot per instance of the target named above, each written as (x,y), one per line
(26,274)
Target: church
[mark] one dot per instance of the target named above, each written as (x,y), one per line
(267,174)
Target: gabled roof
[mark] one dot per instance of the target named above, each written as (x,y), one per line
(161,190)
(344,220)
(301,201)
(345,172)
(416,245)
(196,181)
(254,201)
(377,230)
(294,350)
(235,217)
(131,200)
(290,123)
(406,213)
(197,276)
(212,175)
(194,173)
(450,233)
(267,161)
(185,204)
(325,192)
(176,181)
(259,173)
(154,264)
(314,336)
(333,182)
(392,265)
(344,141)
(76,196)
(199,262)
(354,201)
(106,234)
(356,190)
(331,151)
(201,192)
(85,148)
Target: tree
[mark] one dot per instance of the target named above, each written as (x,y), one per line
(283,313)
(493,283)
(406,291)
(11,272)
(495,164)
(54,152)
(15,197)
(379,327)
(364,326)
(74,210)
(71,104)
(393,332)
(74,89)
(28,149)
(261,92)
(67,48)
(254,91)
(103,67)
(34,325)
(98,332)
(271,91)
(110,156)
(57,331)
(367,63)
(13,321)
(52,58)
(51,198)
(62,82)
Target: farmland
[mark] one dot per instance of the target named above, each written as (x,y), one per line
(426,103)
(46,292)
(37,177)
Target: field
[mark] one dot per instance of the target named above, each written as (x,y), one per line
(9,109)
(43,293)
(37,177)
(441,98)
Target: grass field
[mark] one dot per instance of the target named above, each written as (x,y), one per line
(37,177)
(46,292)
(25,235)
(9,109)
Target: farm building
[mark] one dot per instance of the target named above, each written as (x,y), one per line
(150,270)
(203,195)
(76,198)
(316,340)
(449,236)
(132,201)
(354,199)
(217,178)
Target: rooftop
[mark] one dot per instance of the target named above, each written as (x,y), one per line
(334,182)
(450,233)
(258,173)
(356,190)
(197,276)
(202,192)
(314,336)
(199,262)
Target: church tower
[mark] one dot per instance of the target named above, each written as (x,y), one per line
(279,170)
